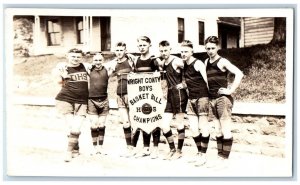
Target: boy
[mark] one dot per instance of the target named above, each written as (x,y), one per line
(98,106)
(143,64)
(176,99)
(72,99)
(121,66)
(221,101)
(198,102)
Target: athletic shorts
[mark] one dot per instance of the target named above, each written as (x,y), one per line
(98,106)
(64,107)
(176,101)
(221,108)
(123,101)
(198,107)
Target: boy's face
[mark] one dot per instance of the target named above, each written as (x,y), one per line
(98,61)
(74,58)
(143,46)
(120,52)
(211,49)
(186,53)
(165,51)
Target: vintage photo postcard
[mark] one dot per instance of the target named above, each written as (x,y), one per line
(149,92)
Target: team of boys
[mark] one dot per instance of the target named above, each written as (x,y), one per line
(206,89)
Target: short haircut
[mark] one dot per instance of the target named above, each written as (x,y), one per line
(187,43)
(123,44)
(144,38)
(98,53)
(75,50)
(212,39)
(164,43)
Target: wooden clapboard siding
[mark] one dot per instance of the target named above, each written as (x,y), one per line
(258,30)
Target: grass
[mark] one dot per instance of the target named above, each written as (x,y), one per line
(263,66)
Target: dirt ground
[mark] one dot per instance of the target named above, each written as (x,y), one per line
(36,143)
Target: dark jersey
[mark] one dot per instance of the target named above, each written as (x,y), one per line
(216,78)
(172,76)
(75,89)
(98,83)
(195,83)
(145,65)
(122,69)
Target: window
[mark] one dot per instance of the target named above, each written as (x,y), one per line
(201,32)
(79,30)
(180,30)
(53,32)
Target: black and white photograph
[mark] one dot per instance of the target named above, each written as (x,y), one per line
(149,92)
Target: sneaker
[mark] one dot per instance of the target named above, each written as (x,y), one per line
(201,160)
(154,153)
(130,152)
(100,150)
(94,150)
(170,154)
(177,155)
(68,156)
(194,159)
(75,153)
(215,163)
(145,152)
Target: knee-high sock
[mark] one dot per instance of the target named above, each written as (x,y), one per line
(220,145)
(101,135)
(127,133)
(181,135)
(72,141)
(204,143)
(227,144)
(146,139)
(156,136)
(135,137)
(197,140)
(95,134)
(170,139)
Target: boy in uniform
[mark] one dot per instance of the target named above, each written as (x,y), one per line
(198,103)
(221,101)
(72,99)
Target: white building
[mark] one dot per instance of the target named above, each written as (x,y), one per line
(56,31)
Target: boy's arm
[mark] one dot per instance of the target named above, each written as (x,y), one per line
(200,66)
(238,75)
(60,73)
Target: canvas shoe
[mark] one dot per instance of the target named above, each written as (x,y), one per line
(177,155)
(154,154)
(75,153)
(194,159)
(201,160)
(68,156)
(170,154)
(215,163)
(145,152)
(130,152)
(100,150)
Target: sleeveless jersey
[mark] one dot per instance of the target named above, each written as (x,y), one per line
(145,65)
(75,89)
(216,78)
(172,76)
(195,82)
(122,67)
(98,83)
